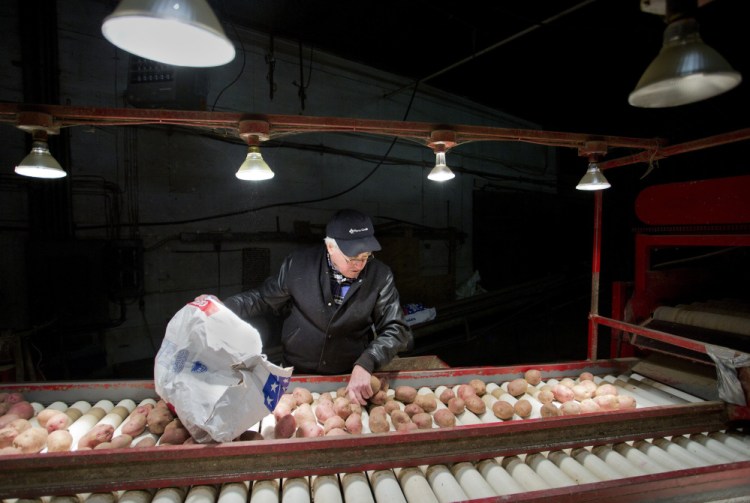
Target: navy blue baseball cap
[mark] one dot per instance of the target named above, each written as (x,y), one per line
(353,232)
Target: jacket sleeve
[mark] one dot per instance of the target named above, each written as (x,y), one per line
(271,297)
(392,334)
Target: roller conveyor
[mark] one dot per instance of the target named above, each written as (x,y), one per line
(475,448)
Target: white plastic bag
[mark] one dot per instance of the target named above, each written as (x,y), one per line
(211,369)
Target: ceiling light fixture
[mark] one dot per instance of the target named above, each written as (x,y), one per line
(254,168)
(441,141)
(686,70)
(593,179)
(175,32)
(39,163)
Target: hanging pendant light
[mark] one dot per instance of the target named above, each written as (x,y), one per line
(39,163)
(254,168)
(175,32)
(593,179)
(686,70)
(441,141)
(441,172)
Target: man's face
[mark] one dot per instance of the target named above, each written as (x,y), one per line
(348,266)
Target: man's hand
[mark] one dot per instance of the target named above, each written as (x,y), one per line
(359,389)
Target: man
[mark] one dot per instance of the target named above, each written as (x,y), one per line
(341,305)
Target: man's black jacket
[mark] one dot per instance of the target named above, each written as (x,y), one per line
(320,337)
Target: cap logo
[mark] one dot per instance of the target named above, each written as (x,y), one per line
(354,231)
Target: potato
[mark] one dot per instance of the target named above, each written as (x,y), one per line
(288,400)
(607,402)
(158,419)
(378,410)
(59,441)
(589,385)
(589,405)
(549,410)
(22,409)
(252,435)
(302,395)
(10,432)
(31,441)
(399,416)
(103,445)
(475,404)
(465,390)
(379,398)
(517,387)
(379,423)
(309,430)
(567,382)
(498,392)
(563,393)
(479,387)
(334,422)
(175,433)
(533,376)
(333,432)
(356,408)
(392,405)
(522,408)
(405,394)
(571,408)
(444,418)
(341,391)
(586,376)
(6,419)
(428,402)
(121,441)
(545,396)
(580,392)
(412,409)
(59,421)
(626,402)
(303,414)
(374,384)
(342,407)
(135,424)
(406,427)
(148,441)
(423,420)
(285,427)
(324,410)
(96,435)
(353,423)
(456,405)
(502,410)
(605,389)
(446,395)
(6,451)
(44,415)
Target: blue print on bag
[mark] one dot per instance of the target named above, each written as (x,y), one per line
(179,360)
(273,389)
(198,367)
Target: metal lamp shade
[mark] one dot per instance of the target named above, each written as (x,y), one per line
(40,163)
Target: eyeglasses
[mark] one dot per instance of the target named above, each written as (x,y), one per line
(360,261)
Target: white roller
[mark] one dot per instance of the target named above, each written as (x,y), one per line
(326,489)
(498,477)
(595,464)
(135,496)
(201,494)
(267,425)
(471,481)
(490,387)
(488,416)
(548,470)
(718,447)
(265,491)
(660,455)
(84,423)
(444,484)
(617,461)
(679,453)
(415,486)
(233,492)
(169,495)
(713,458)
(356,488)
(524,474)
(731,441)
(572,468)
(295,490)
(652,393)
(385,487)
(468,417)
(71,498)
(639,459)
(669,389)
(108,497)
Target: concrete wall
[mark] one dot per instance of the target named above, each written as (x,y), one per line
(170,181)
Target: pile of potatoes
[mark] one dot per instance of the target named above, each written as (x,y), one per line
(26,429)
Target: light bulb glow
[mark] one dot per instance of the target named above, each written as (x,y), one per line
(254,168)
(441,172)
(40,163)
(593,179)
